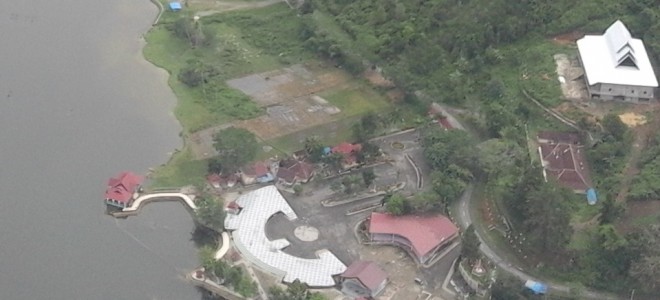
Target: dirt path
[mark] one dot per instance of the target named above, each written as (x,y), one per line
(642,134)
(211,7)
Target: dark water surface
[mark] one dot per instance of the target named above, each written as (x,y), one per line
(78,104)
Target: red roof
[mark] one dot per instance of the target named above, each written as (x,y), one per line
(214,178)
(256,169)
(559,137)
(563,159)
(346,148)
(121,188)
(367,272)
(233,205)
(423,232)
(445,123)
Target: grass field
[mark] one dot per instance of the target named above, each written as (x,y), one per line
(536,72)
(356,99)
(241,43)
(179,171)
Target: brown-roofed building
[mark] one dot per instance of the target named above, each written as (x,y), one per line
(423,237)
(562,156)
(292,171)
(363,279)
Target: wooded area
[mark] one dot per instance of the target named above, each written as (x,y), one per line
(472,53)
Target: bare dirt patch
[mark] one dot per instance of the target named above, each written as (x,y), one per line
(284,85)
(568,38)
(400,269)
(288,97)
(376,78)
(632,119)
(210,7)
(290,117)
(570,76)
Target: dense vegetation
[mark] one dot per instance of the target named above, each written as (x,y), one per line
(295,291)
(478,54)
(481,55)
(226,274)
(446,47)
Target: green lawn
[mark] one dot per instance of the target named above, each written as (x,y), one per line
(179,171)
(537,70)
(330,134)
(356,99)
(242,42)
(579,240)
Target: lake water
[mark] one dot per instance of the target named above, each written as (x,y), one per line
(78,104)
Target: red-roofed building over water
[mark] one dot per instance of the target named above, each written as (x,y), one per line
(363,279)
(121,189)
(423,237)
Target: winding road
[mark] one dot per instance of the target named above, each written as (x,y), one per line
(462,215)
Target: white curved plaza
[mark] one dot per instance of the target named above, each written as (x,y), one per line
(249,235)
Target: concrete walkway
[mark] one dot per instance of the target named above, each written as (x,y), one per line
(188,200)
(225,246)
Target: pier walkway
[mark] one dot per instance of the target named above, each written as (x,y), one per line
(186,199)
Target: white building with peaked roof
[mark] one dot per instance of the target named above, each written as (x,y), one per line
(616,66)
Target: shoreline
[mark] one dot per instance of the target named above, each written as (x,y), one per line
(161,9)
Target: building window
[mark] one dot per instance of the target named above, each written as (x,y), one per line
(644,92)
(632,91)
(609,90)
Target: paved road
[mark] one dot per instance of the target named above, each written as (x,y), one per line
(462,215)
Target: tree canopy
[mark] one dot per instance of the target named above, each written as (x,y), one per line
(235,146)
(294,291)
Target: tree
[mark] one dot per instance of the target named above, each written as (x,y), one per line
(368,177)
(334,160)
(470,244)
(396,204)
(368,152)
(547,220)
(614,126)
(425,202)
(370,123)
(210,213)
(207,257)
(499,159)
(349,182)
(295,291)
(445,147)
(448,186)
(214,166)
(507,288)
(314,148)
(186,28)
(298,189)
(196,73)
(235,146)
(610,211)
(646,269)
